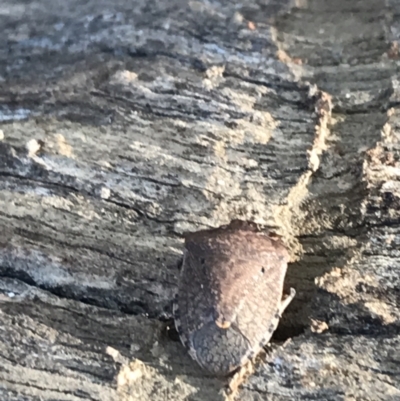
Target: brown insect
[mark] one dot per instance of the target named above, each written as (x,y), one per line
(229,299)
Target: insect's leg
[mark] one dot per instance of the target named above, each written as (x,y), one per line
(285,303)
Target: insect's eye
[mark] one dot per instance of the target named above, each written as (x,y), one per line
(262,270)
(202,261)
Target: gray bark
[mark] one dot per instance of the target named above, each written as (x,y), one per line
(127,123)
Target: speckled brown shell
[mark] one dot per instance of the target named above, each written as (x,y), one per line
(233,274)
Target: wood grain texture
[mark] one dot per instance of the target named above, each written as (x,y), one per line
(125,124)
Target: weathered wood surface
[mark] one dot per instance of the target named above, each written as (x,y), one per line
(126,123)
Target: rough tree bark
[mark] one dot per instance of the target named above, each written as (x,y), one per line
(127,123)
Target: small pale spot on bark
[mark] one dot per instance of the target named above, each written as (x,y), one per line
(318,326)
(64,148)
(105,193)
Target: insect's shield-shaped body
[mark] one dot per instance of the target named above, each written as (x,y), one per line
(230,294)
